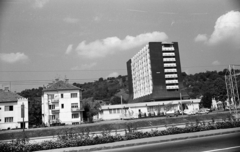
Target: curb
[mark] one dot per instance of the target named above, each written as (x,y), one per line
(151,142)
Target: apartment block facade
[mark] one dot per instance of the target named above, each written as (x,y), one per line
(154,73)
(61,103)
(13,110)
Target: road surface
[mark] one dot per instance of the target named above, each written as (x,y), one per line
(219,143)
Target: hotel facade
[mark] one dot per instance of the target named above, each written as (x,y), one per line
(154,73)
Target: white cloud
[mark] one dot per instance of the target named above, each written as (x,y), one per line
(84,66)
(13,57)
(201,38)
(114,74)
(110,45)
(70,20)
(227,28)
(69,49)
(216,62)
(40,3)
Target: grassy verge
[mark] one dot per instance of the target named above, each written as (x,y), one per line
(71,139)
(108,126)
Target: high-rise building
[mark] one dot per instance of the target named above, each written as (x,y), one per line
(154,73)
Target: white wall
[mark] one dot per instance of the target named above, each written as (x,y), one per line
(16,114)
(65,112)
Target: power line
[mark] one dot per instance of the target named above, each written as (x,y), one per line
(97,70)
(63,70)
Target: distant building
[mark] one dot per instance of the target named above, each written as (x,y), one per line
(132,110)
(13,108)
(61,103)
(154,73)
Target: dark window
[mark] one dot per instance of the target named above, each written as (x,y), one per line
(62,106)
(51,106)
(73,95)
(61,95)
(8,108)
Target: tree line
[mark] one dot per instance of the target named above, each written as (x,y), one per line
(205,85)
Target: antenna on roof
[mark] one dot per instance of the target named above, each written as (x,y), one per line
(66,79)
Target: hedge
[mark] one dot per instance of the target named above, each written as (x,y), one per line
(138,123)
(71,139)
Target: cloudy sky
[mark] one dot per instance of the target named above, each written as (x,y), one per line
(83,40)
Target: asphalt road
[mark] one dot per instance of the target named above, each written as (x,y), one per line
(219,143)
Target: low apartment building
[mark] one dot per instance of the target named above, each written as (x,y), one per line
(61,103)
(13,110)
(132,110)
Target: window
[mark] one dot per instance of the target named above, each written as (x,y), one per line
(62,106)
(110,111)
(50,96)
(8,119)
(73,95)
(75,123)
(8,108)
(74,105)
(52,117)
(75,115)
(51,106)
(61,95)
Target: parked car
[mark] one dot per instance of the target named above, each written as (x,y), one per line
(189,112)
(172,113)
(203,111)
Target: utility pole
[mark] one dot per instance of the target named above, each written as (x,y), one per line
(23,123)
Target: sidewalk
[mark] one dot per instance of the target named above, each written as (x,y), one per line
(144,141)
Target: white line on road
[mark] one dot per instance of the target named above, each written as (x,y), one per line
(222,149)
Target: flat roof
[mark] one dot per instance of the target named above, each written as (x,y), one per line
(154,103)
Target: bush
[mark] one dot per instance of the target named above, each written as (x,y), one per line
(74,139)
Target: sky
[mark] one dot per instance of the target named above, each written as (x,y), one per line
(83,40)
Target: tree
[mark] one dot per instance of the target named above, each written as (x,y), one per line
(116,100)
(91,108)
(34,105)
(206,100)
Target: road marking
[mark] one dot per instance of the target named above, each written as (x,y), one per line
(222,149)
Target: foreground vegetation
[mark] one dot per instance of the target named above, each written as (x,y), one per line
(116,125)
(84,138)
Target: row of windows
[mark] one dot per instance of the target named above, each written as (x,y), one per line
(52,96)
(171,76)
(172,87)
(8,108)
(169,59)
(171,81)
(114,111)
(171,48)
(55,117)
(170,65)
(8,119)
(73,105)
(168,54)
(170,70)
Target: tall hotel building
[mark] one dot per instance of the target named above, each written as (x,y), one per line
(154,73)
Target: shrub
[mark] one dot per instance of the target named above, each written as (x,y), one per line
(71,138)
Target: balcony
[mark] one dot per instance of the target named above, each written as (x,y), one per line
(77,109)
(54,111)
(55,100)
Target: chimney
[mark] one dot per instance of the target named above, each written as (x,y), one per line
(6,89)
